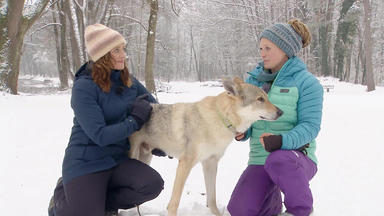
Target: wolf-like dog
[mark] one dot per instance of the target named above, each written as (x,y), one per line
(200,132)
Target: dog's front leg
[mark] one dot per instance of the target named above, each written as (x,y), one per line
(210,171)
(145,154)
(134,152)
(183,169)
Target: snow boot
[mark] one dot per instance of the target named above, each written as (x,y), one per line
(51,205)
(112,213)
(285,214)
(289,214)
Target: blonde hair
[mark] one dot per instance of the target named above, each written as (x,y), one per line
(302,30)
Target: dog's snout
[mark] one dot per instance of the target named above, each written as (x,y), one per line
(279,112)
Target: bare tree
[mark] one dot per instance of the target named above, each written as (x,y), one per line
(64,69)
(368,45)
(225,36)
(346,26)
(76,43)
(16,17)
(150,54)
(324,11)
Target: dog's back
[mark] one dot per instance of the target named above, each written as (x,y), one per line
(184,128)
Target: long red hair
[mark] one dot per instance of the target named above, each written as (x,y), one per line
(101,73)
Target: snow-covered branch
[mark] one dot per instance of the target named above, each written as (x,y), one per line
(82,8)
(130,18)
(175,10)
(43,27)
(237,20)
(231,4)
(30,9)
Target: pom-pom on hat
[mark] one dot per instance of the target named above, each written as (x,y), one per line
(100,39)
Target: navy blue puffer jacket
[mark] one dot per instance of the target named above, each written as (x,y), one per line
(102,124)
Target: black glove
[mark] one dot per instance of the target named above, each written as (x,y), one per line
(141,110)
(273,142)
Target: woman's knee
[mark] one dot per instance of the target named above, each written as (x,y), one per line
(281,158)
(152,184)
(155,185)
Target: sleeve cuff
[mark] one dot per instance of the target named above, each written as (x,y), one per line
(246,135)
(132,122)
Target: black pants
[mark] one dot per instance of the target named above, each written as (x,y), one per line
(129,184)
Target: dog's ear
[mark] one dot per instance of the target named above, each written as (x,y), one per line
(238,88)
(234,87)
(229,85)
(238,80)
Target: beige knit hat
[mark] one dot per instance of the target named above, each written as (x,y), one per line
(99,40)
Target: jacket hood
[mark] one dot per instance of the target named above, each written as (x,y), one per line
(84,71)
(255,72)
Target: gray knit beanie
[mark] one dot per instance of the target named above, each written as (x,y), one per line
(285,37)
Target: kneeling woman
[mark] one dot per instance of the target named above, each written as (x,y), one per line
(109,105)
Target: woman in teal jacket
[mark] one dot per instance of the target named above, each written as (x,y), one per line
(282,153)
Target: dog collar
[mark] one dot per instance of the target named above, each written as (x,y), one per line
(228,124)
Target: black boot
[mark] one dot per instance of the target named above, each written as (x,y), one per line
(52,201)
(50,207)
(112,213)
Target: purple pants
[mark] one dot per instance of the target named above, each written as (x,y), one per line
(257,192)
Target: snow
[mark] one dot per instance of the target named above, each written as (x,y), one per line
(35,130)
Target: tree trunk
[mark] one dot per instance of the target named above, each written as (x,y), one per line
(63,71)
(195,58)
(81,24)
(139,53)
(105,12)
(77,58)
(324,40)
(57,39)
(13,26)
(347,73)
(342,35)
(357,67)
(368,45)
(150,53)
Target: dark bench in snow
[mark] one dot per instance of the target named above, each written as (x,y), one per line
(328,87)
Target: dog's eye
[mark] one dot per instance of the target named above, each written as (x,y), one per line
(260,99)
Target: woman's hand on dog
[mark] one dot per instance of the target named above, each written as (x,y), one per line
(261,138)
(271,142)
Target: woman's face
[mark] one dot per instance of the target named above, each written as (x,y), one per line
(118,57)
(273,57)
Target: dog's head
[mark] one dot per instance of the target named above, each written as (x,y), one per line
(252,102)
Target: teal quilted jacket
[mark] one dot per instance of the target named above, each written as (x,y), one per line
(299,94)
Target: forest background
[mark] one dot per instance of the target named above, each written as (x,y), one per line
(199,40)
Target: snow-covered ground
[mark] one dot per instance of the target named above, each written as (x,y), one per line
(35,130)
